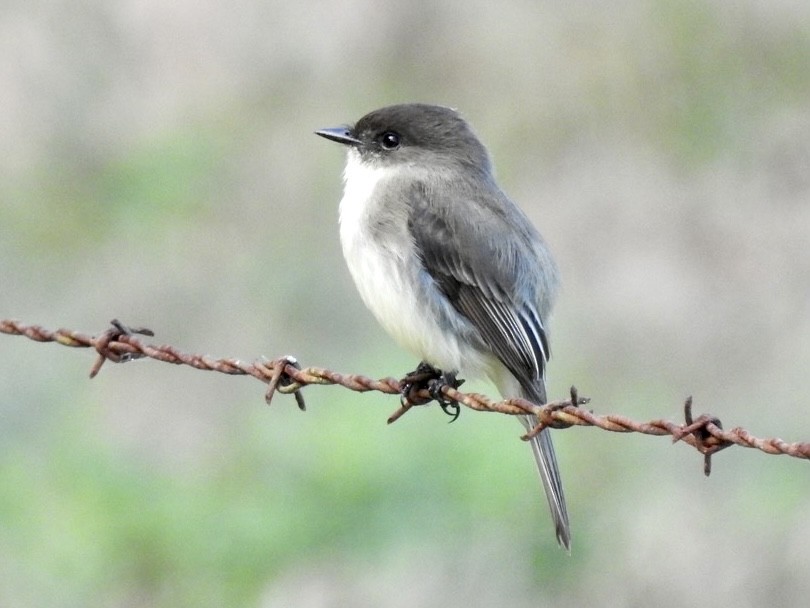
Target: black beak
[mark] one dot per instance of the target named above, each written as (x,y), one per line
(342,135)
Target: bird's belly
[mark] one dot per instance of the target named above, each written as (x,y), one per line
(410,307)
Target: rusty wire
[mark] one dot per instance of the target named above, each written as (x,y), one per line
(120,343)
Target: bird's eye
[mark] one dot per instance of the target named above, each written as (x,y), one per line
(389,140)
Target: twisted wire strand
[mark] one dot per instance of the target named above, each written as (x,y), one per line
(120,344)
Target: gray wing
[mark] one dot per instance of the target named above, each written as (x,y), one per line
(483,256)
(480,257)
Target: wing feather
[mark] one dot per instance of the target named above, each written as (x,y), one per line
(476,271)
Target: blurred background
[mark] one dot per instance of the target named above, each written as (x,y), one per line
(158,165)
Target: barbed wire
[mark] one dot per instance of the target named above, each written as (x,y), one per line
(284,375)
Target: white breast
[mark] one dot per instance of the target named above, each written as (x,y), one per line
(388,275)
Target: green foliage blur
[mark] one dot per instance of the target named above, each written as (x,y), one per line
(158,166)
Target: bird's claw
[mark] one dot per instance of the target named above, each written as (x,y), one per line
(433,380)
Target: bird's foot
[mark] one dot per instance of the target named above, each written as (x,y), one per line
(427,377)
(415,381)
(436,390)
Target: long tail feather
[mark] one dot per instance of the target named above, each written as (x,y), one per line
(543,450)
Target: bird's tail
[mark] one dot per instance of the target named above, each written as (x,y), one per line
(543,451)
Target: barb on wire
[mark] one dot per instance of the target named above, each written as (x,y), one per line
(284,375)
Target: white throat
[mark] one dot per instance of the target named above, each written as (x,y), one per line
(359,181)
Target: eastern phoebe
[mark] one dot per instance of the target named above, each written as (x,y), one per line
(447,263)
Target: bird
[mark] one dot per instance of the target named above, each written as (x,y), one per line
(448,264)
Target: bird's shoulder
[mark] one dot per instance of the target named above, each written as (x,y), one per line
(471,231)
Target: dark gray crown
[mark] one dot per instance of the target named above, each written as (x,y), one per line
(426,132)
